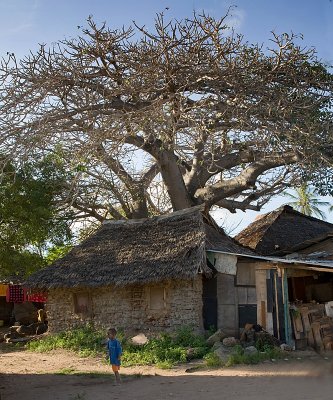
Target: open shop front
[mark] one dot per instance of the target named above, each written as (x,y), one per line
(295,303)
(310,293)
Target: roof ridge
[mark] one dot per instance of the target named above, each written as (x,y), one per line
(172,215)
(277,211)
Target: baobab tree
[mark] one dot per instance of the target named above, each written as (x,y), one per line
(186,114)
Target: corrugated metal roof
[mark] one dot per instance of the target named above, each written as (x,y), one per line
(315,263)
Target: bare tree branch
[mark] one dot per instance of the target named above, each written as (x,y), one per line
(185,114)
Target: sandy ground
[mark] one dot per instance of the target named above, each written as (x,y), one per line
(30,376)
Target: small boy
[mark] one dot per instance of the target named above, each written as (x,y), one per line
(114,353)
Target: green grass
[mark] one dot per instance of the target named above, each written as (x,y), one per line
(95,374)
(66,371)
(164,351)
(86,342)
(238,356)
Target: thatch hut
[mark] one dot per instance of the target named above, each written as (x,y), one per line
(295,267)
(280,230)
(147,274)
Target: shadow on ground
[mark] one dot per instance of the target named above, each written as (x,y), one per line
(185,387)
(11,347)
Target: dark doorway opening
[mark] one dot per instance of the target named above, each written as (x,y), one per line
(209,298)
(247,314)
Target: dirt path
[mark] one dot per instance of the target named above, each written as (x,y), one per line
(30,376)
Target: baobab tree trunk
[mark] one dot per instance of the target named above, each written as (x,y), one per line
(173,180)
(139,205)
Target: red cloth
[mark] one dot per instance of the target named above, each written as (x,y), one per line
(15,294)
(37,297)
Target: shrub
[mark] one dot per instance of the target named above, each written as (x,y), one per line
(167,349)
(85,341)
(212,360)
(238,356)
(164,351)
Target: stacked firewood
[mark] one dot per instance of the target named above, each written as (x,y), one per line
(312,326)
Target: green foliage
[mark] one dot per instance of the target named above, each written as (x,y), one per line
(167,349)
(306,201)
(84,341)
(212,360)
(211,330)
(160,350)
(93,375)
(164,351)
(56,252)
(238,356)
(265,343)
(66,371)
(30,222)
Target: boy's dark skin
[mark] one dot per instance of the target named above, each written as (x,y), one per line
(112,335)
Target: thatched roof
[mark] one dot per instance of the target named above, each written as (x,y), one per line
(216,239)
(281,229)
(310,242)
(136,252)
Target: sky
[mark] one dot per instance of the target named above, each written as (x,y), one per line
(26,23)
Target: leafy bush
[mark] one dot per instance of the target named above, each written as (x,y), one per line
(212,360)
(84,341)
(164,351)
(238,356)
(265,342)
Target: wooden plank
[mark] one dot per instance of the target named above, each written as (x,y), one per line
(328,345)
(261,289)
(246,274)
(299,324)
(315,326)
(297,333)
(270,293)
(226,290)
(277,308)
(251,295)
(314,315)
(307,326)
(263,314)
(242,294)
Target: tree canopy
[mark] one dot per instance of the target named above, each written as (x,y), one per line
(187,113)
(30,219)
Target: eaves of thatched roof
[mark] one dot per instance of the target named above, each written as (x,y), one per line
(137,252)
(281,230)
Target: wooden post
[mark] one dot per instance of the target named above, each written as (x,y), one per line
(287,322)
(276,306)
(263,314)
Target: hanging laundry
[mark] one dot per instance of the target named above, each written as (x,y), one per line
(3,289)
(16,294)
(37,297)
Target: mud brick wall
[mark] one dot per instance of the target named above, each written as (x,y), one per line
(131,308)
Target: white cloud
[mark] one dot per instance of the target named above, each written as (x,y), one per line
(237,17)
